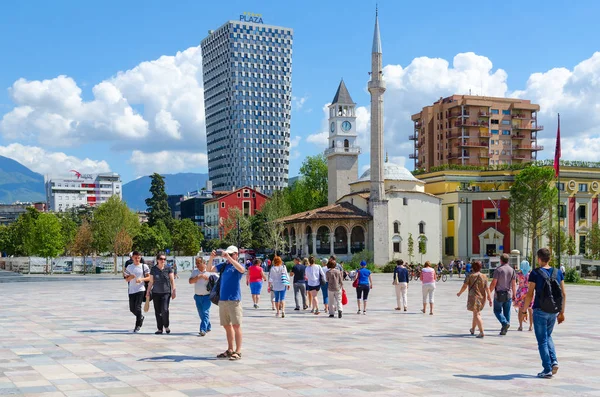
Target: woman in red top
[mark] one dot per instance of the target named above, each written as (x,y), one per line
(255,278)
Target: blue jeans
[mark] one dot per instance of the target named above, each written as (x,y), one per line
(502,311)
(543,324)
(325,293)
(203,305)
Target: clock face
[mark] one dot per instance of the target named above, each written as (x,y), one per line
(346,126)
(332,127)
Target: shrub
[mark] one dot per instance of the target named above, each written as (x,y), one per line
(364,255)
(572,275)
(289,265)
(389,267)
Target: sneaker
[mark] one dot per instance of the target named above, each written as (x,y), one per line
(141,322)
(316,313)
(202,333)
(136,329)
(364,313)
(545,374)
(305,307)
(358,312)
(507,327)
(406,308)
(159,332)
(554,368)
(331,316)
(282,314)
(167,330)
(297,308)
(503,330)
(339,314)
(312,310)
(255,306)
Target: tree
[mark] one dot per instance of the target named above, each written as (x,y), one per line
(237,229)
(83,243)
(559,239)
(593,242)
(570,247)
(187,237)
(20,234)
(531,198)
(166,241)
(109,218)
(48,241)
(147,240)
(122,245)
(314,176)
(68,229)
(411,247)
(158,206)
(422,240)
(271,230)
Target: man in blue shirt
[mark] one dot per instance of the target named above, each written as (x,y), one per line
(230,308)
(543,321)
(401,284)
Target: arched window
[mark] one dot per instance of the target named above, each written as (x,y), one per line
(310,240)
(397,243)
(357,239)
(421,227)
(293,242)
(340,244)
(346,144)
(323,245)
(396,227)
(332,143)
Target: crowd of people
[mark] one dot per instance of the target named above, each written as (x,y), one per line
(538,296)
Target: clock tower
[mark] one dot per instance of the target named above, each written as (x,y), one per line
(342,151)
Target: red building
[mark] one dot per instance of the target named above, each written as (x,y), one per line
(216,211)
(490,227)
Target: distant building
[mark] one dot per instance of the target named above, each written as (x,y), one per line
(174,201)
(216,210)
(80,189)
(475,130)
(9,213)
(247,70)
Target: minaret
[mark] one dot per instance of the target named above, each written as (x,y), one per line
(378,205)
(377,88)
(342,151)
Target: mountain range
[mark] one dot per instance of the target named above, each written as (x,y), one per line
(137,191)
(19,183)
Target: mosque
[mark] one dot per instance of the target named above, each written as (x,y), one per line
(381,210)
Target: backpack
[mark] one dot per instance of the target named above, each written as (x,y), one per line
(550,300)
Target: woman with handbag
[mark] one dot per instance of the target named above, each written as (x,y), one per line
(315,277)
(478,293)
(162,287)
(279,283)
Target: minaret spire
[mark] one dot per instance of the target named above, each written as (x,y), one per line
(376,36)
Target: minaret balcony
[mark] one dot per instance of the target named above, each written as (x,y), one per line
(342,150)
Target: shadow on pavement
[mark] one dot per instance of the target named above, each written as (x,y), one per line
(451,336)
(177,359)
(497,377)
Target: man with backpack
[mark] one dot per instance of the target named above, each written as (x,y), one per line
(548,286)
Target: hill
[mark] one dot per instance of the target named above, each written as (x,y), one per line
(19,183)
(137,191)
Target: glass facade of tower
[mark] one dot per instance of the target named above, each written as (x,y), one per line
(247,70)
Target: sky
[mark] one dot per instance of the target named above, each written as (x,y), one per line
(117,85)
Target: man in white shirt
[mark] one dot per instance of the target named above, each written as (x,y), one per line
(136,274)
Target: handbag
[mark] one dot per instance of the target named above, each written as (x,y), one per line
(284,277)
(502,296)
(344,297)
(215,293)
(355,282)
(147,306)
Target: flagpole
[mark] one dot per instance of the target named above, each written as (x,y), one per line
(558,204)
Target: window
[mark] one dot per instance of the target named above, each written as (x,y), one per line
(495,122)
(495,131)
(223,205)
(581,212)
(490,215)
(404,201)
(396,227)
(583,187)
(581,245)
(560,186)
(562,211)
(494,111)
(450,213)
(505,132)
(506,112)
(449,246)
(246,210)
(396,241)
(239,194)
(506,122)
(421,227)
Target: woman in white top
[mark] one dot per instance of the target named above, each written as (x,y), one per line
(428,288)
(279,283)
(314,274)
(199,278)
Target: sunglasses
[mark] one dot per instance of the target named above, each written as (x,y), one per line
(162,259)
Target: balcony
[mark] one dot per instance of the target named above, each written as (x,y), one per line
(412,156)
(458,114)
(418,124)
(413,137)
(521,116)
(518,136)
(484,114)
(342,150)
(455,156)
(458,135)
(533,148)
(520,157)
(484,155)
(472,144)
(528,127)
(467,123)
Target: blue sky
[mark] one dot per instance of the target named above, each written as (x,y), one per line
(539,50)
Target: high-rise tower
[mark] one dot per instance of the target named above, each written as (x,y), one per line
(378,205)
(342,152)
(247,70)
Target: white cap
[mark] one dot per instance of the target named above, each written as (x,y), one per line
(232,249)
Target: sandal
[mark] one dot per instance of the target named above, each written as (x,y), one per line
(472,331)
(481,335)
(397,308)
(226,354)
(520,329)
(235,356)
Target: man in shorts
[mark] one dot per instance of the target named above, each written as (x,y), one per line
(230,306)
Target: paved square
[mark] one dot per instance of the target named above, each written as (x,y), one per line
(73,338)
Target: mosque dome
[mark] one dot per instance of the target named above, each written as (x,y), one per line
(391,172)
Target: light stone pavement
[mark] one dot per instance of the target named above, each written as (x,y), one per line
(74,338)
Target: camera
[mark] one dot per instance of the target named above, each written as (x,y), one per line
(219,252)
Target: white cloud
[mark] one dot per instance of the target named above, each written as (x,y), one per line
(45,162)
(159,102)
(298,102)
(166,161)
(294,142)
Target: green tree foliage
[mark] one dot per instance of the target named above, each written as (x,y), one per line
(411,247)
(109,218)
(68,229)
(48,241)
(187,237)
(269,228)
(83,243)
(237,229)
(310,191)
(571,247)
(158,207)
(164,235)
(20,234)
(422,241)
(147,240)
(531,198)
(593,242)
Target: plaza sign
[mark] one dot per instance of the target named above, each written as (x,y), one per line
(251,17)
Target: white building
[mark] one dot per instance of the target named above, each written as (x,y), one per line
(65,192)
(247,70)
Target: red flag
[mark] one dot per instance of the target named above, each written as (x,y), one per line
(557,153)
